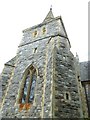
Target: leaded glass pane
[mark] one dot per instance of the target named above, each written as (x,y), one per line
(25,88)
(29,86)
(32,88)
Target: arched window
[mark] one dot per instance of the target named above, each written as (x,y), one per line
(28,88)
(35,33)
(44,30)
(67,96)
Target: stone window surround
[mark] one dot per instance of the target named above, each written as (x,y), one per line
(67,96)
(26,105)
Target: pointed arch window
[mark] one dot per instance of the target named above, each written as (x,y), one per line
(28,87)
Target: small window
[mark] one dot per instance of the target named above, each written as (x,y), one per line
(67,96)
(44,30)
(78,77)
(35,33)
(35,50)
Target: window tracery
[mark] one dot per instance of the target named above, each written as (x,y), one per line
(28,89)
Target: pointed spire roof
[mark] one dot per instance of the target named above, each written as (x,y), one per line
(49,16)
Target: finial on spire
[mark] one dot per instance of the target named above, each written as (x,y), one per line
(77,57)
(51,7)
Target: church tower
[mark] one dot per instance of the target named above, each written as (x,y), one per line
(41,81)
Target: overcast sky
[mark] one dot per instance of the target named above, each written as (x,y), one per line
(17,15)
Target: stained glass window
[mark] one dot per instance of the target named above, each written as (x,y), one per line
(32,88)
(29,86)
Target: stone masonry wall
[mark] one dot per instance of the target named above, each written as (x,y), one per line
(66,101)
(42,61)
(81,89)
(56,91)
(53,27)
(5,76)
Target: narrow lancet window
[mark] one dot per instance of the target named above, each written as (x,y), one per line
(25,89)
(67,96)
(32,87)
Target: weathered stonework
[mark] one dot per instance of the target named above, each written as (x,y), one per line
(85,80)
(57,92)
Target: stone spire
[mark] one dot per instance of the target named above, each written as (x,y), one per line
(49,16)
